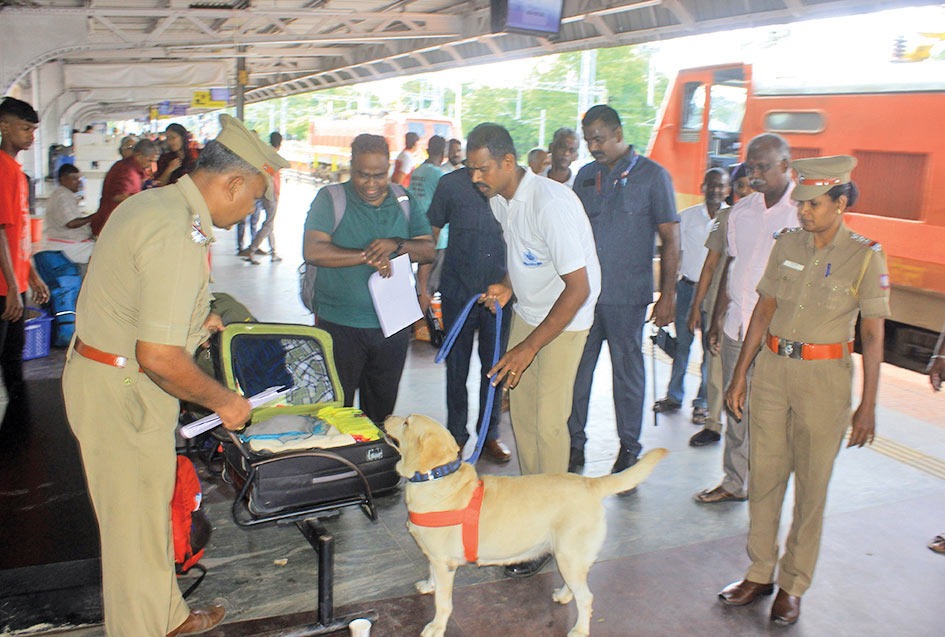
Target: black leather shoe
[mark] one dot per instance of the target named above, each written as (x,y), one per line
(786,608)
(704,437)
(576,460)
(527,569)
(625,460)
(666,406)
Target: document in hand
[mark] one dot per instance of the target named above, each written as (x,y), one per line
(207,423)
(395,298)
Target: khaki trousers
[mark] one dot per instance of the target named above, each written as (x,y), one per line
(799,413)
(125,428)
(714,392)
(541,402)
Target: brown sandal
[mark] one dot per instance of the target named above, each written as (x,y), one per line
(937,545)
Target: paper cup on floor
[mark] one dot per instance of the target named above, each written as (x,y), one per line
(360,628)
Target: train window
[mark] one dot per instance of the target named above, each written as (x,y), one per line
(418,128)
(727,108)
(443,130)
(795,121)
(693,106)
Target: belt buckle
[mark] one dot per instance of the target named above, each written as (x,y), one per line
(791,349)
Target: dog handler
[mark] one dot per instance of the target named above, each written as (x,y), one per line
(816,283)
(143,310)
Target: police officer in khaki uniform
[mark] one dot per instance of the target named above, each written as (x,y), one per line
(142,312)
(818,279)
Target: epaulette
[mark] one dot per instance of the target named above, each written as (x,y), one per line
(875,246)
(785,231)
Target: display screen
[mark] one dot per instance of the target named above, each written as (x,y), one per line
(540,17)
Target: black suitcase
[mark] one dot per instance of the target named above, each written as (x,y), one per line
(291,484)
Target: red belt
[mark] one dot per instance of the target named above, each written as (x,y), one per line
(99,356)
(468,517)
(808,351)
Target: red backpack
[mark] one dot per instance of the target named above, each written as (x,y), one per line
(190,524)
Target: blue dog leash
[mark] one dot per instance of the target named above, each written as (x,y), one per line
(490,394)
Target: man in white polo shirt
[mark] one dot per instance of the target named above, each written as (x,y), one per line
(554,273)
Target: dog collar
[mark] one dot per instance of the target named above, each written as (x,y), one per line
(468,518)
(436,472)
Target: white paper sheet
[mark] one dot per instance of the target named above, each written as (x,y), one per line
(207,423)
(395,298)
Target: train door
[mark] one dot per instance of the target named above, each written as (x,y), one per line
(701,126)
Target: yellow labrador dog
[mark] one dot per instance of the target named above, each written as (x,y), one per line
(520,519)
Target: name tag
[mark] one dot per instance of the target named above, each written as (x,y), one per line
(793,266)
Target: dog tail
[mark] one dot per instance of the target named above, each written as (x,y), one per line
(629,478)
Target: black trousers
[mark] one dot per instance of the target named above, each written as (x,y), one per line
(12,339)
(370,364)
(480,320)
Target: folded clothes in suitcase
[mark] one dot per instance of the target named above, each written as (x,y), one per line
(304,453)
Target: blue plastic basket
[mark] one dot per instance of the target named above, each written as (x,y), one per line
(38,334)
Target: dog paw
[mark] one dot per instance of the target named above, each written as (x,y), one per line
(433,630)
(425,586)
(563,595)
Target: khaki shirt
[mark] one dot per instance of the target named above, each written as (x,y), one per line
(820,292)
(149,276)
(717,242)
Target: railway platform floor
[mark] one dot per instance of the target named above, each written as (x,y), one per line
(664,560)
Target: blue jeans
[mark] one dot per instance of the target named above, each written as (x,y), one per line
(685,291)
(622,327)
(457,365)
(253,220)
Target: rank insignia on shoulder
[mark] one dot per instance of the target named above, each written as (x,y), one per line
(785,231)
(875,246)
(196,234)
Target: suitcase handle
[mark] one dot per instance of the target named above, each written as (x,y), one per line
(365,501)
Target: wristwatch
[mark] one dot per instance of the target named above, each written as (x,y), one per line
(400,246)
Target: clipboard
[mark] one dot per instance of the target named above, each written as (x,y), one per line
(395,298)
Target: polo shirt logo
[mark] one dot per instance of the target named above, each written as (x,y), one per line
(529,259)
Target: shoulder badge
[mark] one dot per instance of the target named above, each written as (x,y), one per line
(875,246)
(196,234)
(785,231)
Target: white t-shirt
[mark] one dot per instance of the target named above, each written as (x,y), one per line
(547,235)
(694,227)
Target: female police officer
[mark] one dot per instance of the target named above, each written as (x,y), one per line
(819,277)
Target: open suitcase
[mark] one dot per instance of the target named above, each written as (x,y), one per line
(274,485)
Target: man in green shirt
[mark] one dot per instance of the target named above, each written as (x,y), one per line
(372,231)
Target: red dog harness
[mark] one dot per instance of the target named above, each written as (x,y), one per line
(468,517)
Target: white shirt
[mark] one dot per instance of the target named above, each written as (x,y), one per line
(751,230)
(569,183)
(405,162)
(694,227)
(61,208)
(547,235)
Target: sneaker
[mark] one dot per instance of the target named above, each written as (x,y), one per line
(666,406)
(699,415)
(261,252)
(276,258)
(705,437)
(625,460)
(246,253)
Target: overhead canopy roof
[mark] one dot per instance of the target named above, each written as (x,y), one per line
(114,58)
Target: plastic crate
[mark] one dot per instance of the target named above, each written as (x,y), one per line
(38,334)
